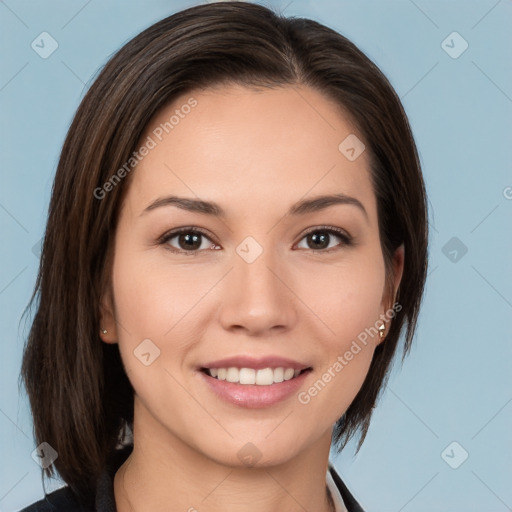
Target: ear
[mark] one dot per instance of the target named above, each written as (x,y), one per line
(390,293)
(107,318)
(398,270)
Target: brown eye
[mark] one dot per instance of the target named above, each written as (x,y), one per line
(318,240)
(187,240)
(321,239)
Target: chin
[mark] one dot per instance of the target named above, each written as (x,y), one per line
(256,451)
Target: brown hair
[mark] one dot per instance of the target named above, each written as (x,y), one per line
(80,396)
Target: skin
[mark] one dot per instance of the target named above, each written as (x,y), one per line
(255,153)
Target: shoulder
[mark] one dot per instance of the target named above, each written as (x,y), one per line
(60,500)
(100,499)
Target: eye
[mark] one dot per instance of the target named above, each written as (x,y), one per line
(188,240)
(191,241)
(320,238)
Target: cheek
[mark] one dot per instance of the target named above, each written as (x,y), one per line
(152,295)
(160,302)
(347,297)
(151,304)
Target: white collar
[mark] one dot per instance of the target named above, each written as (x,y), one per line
(339,506)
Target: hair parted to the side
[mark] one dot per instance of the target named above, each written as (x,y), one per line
(79,393)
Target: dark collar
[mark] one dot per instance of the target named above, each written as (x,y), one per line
(350,502)
(105,500)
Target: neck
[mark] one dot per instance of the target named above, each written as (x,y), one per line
(164,473)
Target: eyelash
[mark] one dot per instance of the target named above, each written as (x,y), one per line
(347,240)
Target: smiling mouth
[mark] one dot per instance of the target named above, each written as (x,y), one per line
(251,376)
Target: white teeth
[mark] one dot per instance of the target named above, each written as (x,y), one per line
(289,373)
(279,375)
(233,375)
(247,376)
(263,377)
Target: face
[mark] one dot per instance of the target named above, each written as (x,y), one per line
(267,272)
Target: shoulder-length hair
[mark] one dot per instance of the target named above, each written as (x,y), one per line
(80,396)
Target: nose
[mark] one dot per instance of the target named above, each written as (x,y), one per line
(258,297)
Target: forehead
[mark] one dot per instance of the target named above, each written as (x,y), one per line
(241,146)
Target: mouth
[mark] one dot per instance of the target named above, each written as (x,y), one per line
(254,388)
(252,376)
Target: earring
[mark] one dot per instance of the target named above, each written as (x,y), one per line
(104,331)
(382,329)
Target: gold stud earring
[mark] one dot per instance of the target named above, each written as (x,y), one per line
(382,329)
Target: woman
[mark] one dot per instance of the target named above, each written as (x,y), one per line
(237,237)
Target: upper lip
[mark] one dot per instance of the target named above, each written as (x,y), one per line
(257,363)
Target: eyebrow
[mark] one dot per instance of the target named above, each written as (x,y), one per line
(301,207)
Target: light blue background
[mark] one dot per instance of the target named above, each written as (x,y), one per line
(456,385)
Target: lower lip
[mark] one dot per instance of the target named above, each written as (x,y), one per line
(252,396)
